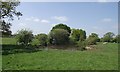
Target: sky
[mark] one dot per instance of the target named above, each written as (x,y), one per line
(93,17)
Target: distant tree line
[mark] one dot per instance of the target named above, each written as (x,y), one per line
(61,34)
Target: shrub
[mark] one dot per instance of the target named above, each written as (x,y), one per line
(108,37)
(35,42)
(24,36)
(78,35)
(43,39)
(81,45)
(92,39)
(72,41)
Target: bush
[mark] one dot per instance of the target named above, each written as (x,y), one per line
(24,36)
(81,45)
(43,39)
(72,41)
(78,35)
(92,39)
(35,42)
(108,37)
(59,37)
(117,39)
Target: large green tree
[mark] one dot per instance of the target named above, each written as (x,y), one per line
(108,37)
(7,12)
(59,37)
(62,26)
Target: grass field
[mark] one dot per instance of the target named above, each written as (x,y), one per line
(103,57)
(11,41)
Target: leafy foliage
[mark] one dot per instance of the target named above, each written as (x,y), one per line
(75,35)
(62,26)
(5,28)
(8,11)
(43,39)
(35,42)
(92,39)
(59,37)
(78,35)
(24,36)
(81,44)
(117,39)
(108,37)
(82,35)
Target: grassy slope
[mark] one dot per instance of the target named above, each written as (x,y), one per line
(104,57)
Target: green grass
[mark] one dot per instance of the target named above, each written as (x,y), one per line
(104,57)
(11,41)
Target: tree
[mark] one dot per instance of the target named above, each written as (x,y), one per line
(59,37)
(62,26)
(78,35)
(42,39)
(24,36)
(5,28)
(75,35)
(108,37)
(92,39)
(8,11)
(117,39)
(82,35)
